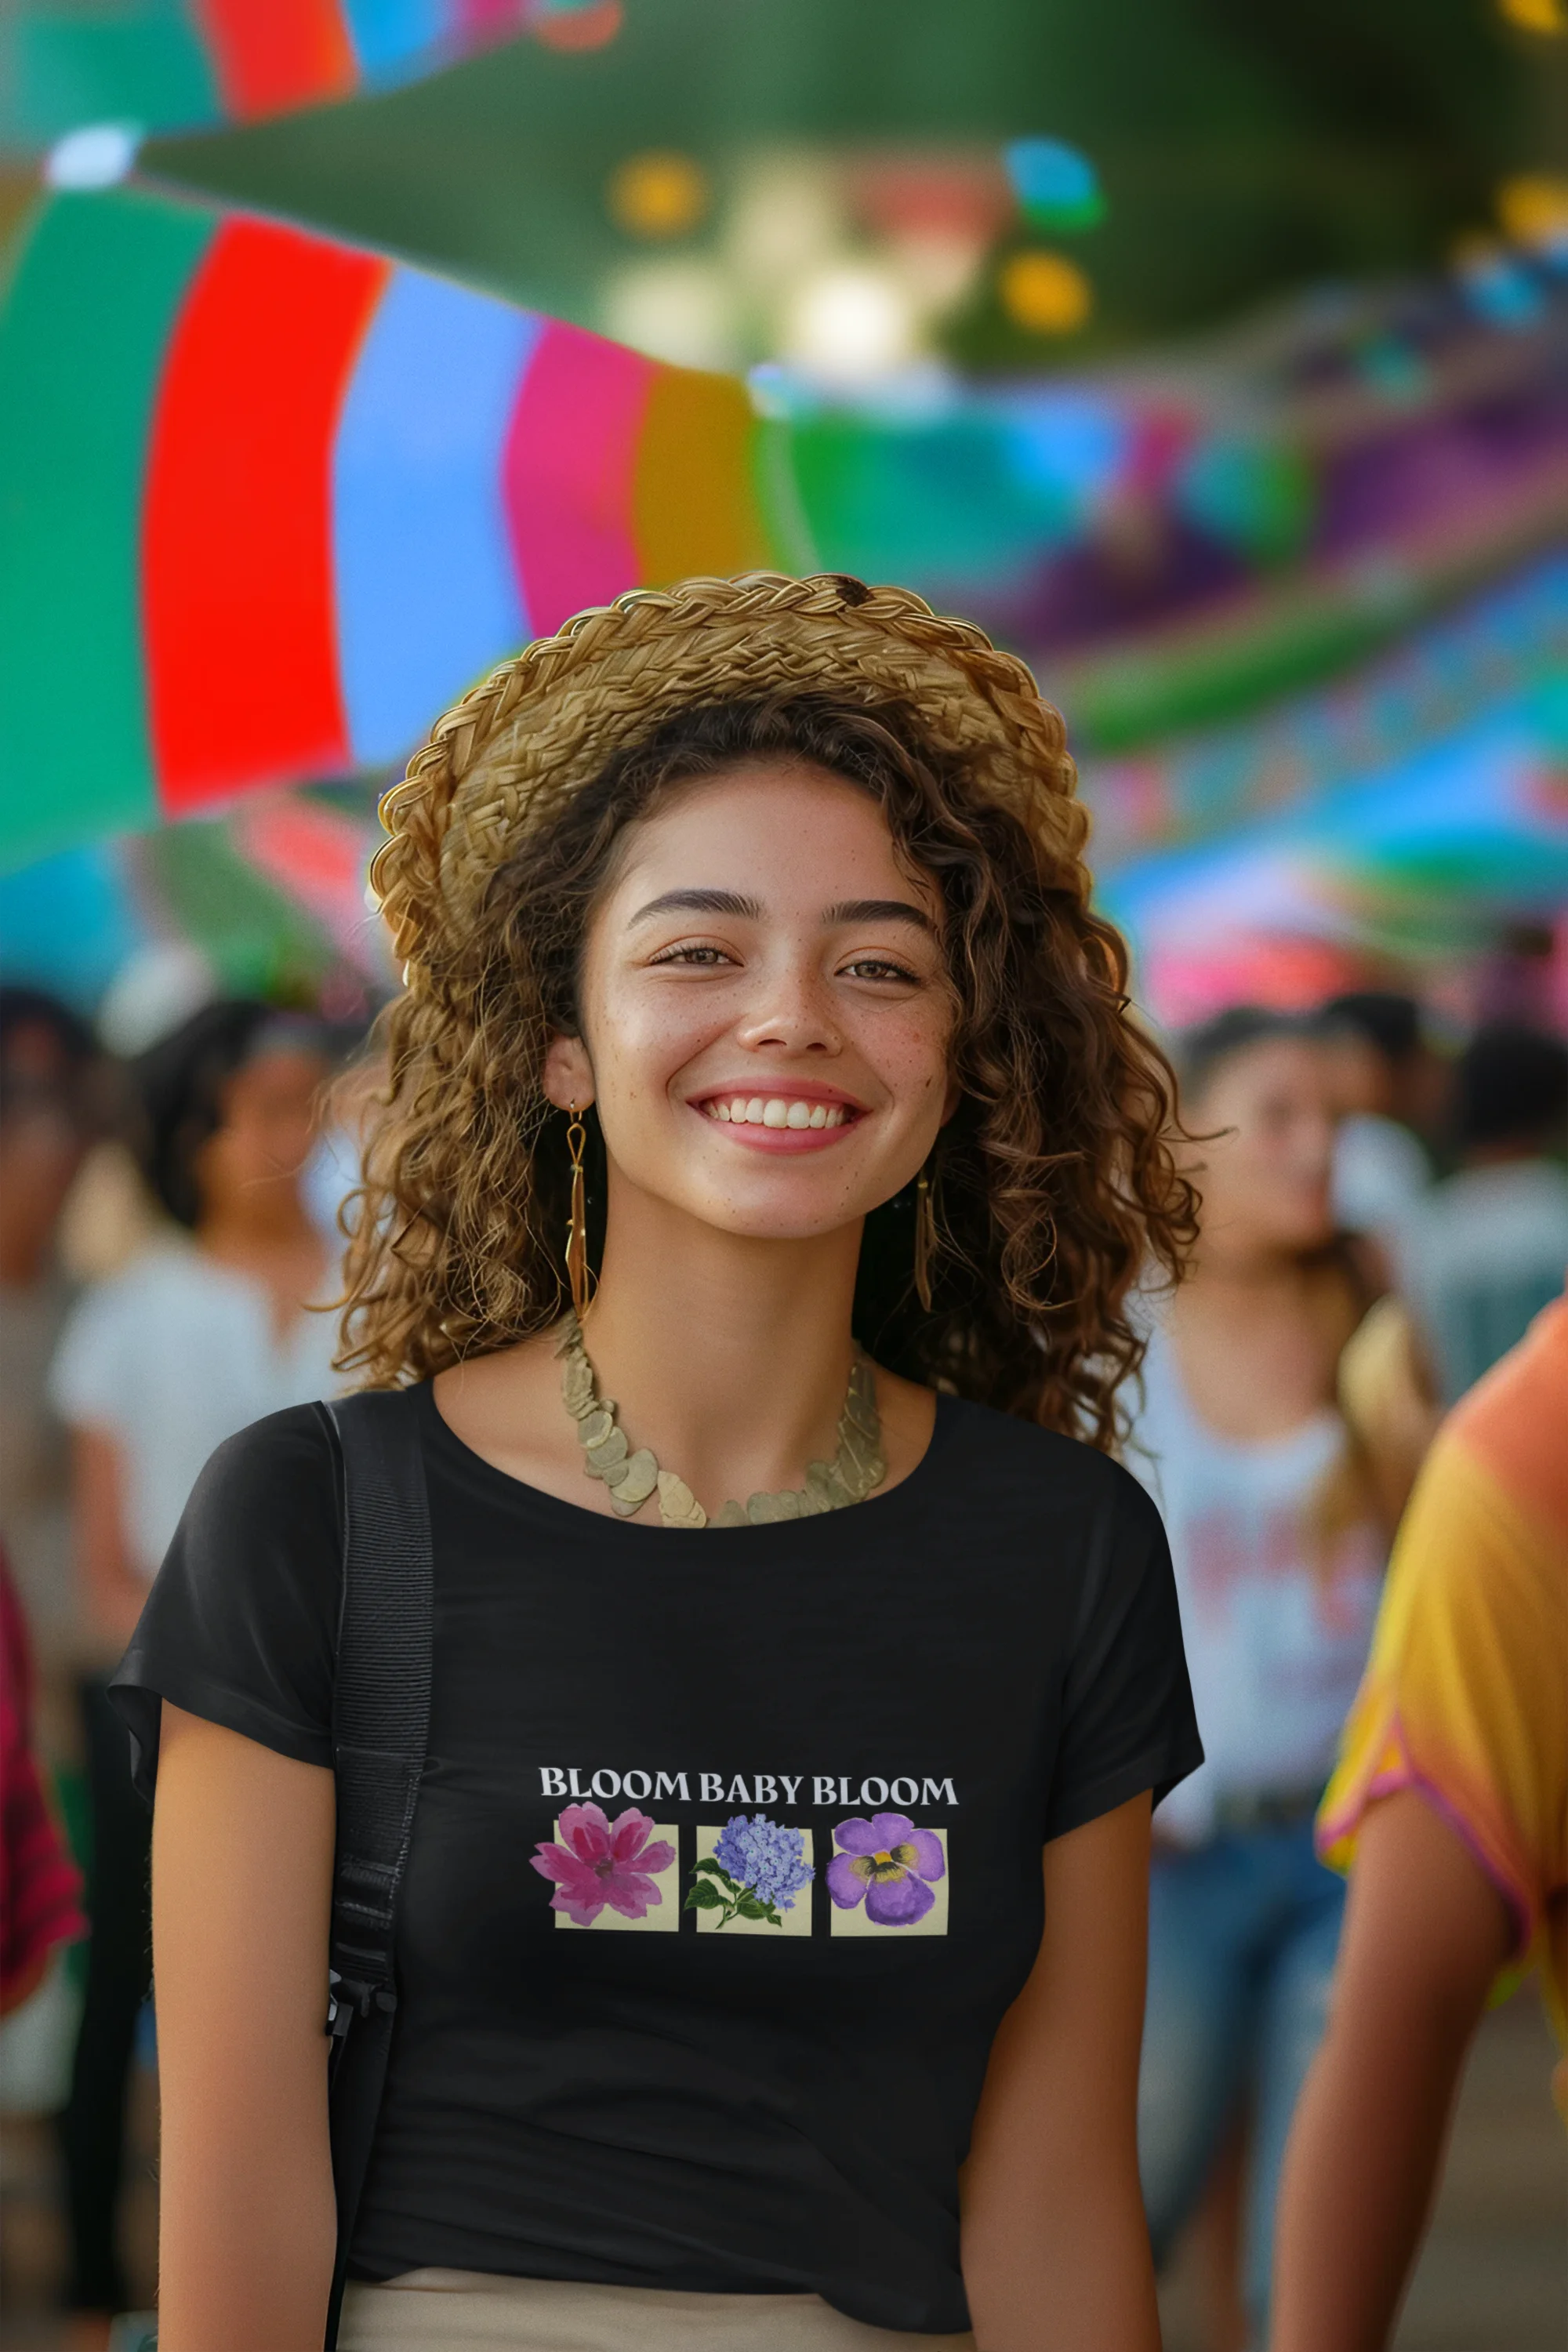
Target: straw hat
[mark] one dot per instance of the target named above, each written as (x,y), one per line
(543,724)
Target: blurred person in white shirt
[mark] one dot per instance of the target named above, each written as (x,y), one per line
(207,1329)
(1277,1525)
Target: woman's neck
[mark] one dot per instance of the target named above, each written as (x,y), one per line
(1241,1265)
(1258,1333)
(726,1354)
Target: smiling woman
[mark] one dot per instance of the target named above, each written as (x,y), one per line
(767,1139)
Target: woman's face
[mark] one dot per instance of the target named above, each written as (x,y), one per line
(269,1124)
(765,1008)
(1265,1177)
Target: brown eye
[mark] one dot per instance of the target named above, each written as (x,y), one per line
(702,957)
(879,968)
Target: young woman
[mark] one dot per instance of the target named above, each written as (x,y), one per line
(204,1331)
(736,2009)
(1279,1542)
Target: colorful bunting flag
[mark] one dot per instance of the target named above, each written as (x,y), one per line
(268,503)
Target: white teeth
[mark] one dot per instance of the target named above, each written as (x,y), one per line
(774,1111)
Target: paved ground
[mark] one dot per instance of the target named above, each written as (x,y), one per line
(1494,2274)
(1494,2277)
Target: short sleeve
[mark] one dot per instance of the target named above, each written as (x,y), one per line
(1466,1693)
(87,1376)
(1128,1721)
(240,1627)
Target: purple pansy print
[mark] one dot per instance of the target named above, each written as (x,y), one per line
(599,1861)
(887,1865)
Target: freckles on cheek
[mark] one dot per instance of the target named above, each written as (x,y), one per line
(651,1047)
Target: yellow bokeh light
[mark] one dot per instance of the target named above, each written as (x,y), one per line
(1044,292)
(1535,16)
(1533,208)
(658,194)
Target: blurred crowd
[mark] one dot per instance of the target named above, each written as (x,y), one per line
(1386,1216)
(1384,1222)
(167,1231)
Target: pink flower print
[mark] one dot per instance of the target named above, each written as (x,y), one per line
(887,1865)
(599,1861)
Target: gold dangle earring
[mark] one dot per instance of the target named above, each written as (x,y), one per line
(925,1238)
(578,1273)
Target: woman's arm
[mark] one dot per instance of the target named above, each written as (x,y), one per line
(242,1866)
(113,1590)
(1425,1932)
(1056,2249)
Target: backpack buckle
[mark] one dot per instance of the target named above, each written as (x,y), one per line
(352,1997)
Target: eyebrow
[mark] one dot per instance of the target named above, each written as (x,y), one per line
(731,902)
(701,902)
(878,910)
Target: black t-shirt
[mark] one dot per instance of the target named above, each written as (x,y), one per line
(727,1857)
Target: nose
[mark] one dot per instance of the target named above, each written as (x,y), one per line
(794,1015)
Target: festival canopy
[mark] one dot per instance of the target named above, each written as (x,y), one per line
(1230,163)
(271,897)
(1495,652)
(190,64)
(271,503)
(1470,828)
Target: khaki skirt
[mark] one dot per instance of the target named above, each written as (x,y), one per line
(467,2311)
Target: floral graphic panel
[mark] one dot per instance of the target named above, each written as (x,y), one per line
(887,1877)
(604,1871)
(751,1878)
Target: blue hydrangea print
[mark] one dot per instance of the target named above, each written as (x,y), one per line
(756,1871)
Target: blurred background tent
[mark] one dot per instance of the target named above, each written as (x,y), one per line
(1241,148)
(185,64)
(1214,358)
(429,478)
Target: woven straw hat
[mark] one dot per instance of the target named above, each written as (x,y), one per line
(498,765)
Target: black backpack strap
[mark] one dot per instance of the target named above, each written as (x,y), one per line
(381,1720)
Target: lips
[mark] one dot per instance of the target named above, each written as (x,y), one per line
(791,1111)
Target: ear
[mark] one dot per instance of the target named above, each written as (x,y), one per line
(568,1073)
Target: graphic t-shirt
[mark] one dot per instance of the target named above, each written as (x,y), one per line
(727,1857)
(1277,1617)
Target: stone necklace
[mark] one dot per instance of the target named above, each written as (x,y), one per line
(849,1478)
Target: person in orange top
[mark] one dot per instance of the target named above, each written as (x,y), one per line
(1451,1808)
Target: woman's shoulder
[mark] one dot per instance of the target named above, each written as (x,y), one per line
(1006,1448)
(280,1469)
(240,1626)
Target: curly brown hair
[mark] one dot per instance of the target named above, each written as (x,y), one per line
(1056,1182)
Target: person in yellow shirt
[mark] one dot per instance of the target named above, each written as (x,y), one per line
(1449,1806)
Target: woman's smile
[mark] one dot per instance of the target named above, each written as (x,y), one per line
(788,1117)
